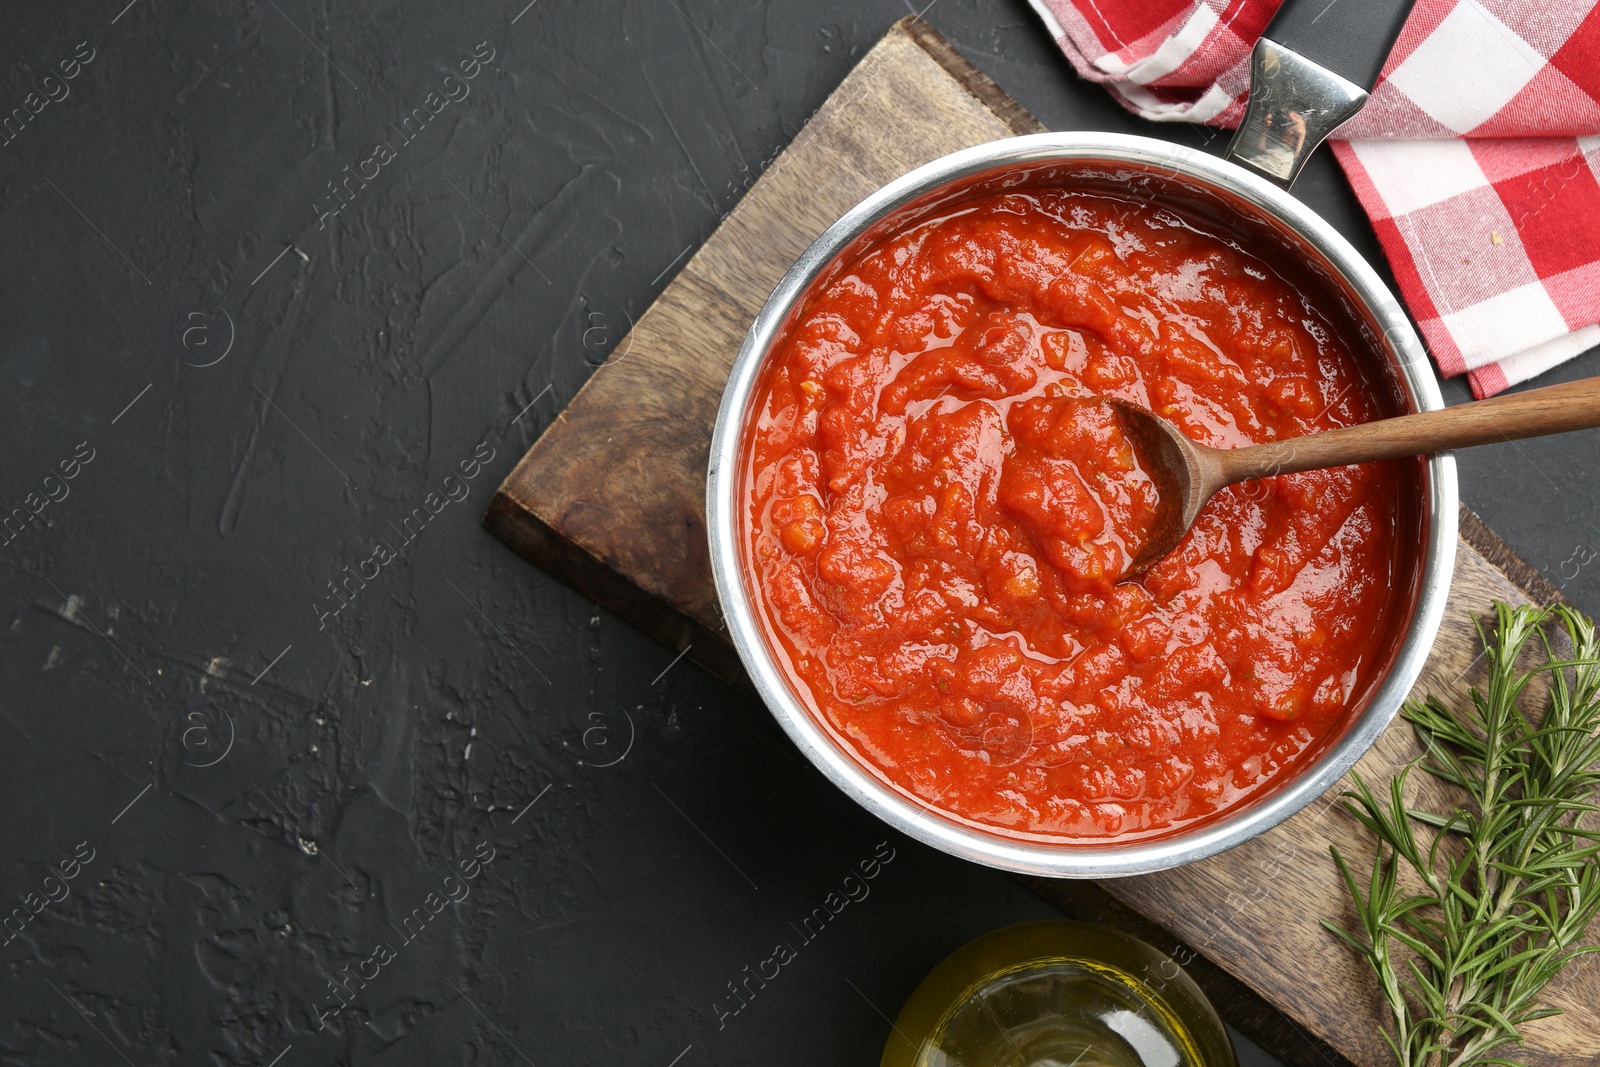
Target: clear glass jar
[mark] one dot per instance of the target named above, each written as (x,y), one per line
(1058,994)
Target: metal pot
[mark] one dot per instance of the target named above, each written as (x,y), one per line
(1294,105)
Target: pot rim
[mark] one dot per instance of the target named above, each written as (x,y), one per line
(1061,859)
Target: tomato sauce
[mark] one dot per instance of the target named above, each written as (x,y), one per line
(938,513)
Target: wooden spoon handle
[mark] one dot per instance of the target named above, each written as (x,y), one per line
(1553,409)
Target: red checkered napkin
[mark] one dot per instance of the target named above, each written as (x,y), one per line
(1478,157)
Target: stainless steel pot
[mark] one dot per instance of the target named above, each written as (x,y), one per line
(1294,105)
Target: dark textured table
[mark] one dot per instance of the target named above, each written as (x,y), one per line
(302,767)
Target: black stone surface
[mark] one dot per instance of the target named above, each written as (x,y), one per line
(270,781)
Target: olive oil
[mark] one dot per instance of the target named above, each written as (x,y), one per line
(1059,1013)
(1058,994)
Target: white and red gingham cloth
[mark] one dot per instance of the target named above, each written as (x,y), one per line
(1477,158)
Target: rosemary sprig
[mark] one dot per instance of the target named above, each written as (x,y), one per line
(1464,930)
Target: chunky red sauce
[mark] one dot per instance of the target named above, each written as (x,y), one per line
(937,517)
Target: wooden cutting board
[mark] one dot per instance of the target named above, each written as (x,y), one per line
(611,499)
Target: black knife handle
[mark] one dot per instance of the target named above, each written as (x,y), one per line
(1352,38)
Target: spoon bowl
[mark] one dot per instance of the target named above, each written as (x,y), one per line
(1183,473)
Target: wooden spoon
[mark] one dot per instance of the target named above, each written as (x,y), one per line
(1187,474)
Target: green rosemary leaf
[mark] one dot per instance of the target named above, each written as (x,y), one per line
(1506,1025)
(1419,946)
(1512,961)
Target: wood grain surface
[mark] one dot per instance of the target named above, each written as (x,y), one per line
(611,499)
